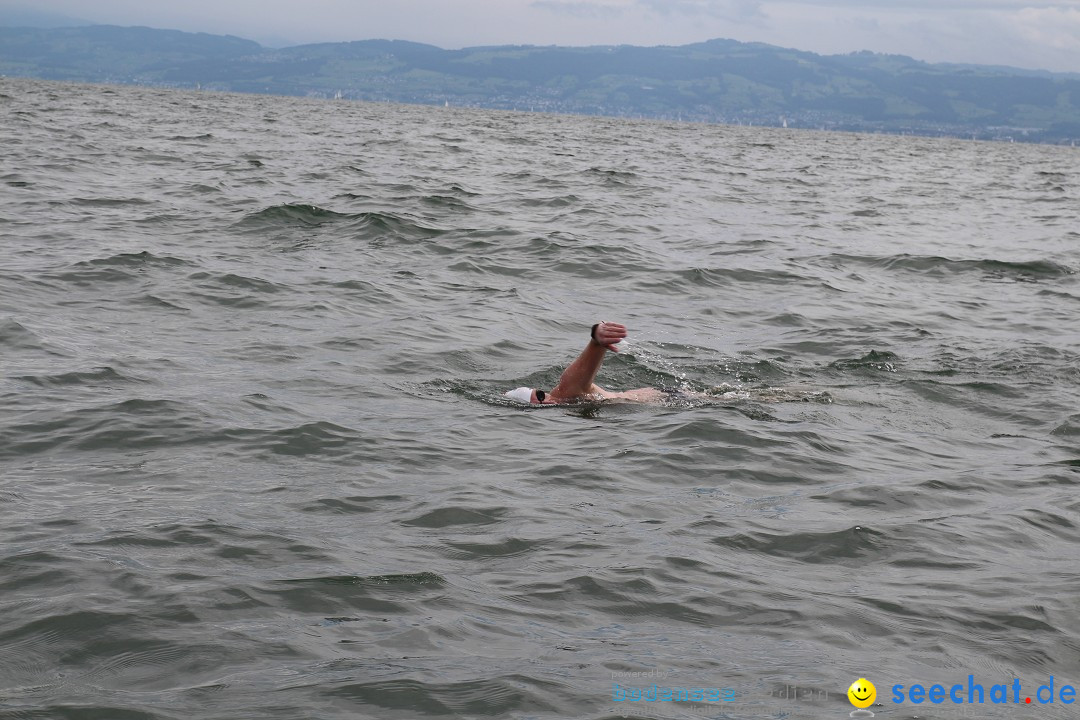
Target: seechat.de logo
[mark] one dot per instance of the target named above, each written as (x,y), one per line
(862,694)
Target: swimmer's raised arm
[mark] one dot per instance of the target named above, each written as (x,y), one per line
(578,379)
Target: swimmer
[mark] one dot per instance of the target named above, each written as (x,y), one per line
(577,381)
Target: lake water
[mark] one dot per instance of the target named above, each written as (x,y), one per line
(255,461)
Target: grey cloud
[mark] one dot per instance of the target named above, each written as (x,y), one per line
(905,5)
(737,10)
(579,9)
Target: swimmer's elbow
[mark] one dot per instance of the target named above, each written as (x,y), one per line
(565,392)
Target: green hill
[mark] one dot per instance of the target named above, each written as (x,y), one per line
(715,81)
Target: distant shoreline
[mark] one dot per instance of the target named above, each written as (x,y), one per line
(718,82)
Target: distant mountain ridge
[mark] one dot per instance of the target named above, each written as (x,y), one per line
(714,81)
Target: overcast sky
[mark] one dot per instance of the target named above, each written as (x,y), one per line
(1030,34)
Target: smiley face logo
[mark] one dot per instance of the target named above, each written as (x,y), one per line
(862,693)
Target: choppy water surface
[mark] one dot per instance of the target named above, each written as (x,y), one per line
(256,462)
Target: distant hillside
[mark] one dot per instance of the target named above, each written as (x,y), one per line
(715,81)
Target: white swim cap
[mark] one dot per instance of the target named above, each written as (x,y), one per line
(521,394)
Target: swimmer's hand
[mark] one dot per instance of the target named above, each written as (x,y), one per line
(607,335)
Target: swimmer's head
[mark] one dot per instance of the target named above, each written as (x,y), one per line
(526,395)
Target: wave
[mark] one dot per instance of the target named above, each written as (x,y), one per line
(344,594)
(942,266)
(372,226)
(234,291)
(101,376)
(232,280)
(292,215)
(448,202)
(1040,364)
(110,202)
(458,515)
(127,424)
(364,291)
(553,201)
(500,696)
(120,268)
(315,439)
(352,505)
(876,360)
(159,303)
(619,176)
(398,580)
(855,543)
(140,260)
(16,336)
(678,281)
(1070,428)
(146,424)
